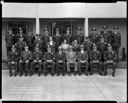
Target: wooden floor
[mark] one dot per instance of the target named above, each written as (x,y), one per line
(66,87)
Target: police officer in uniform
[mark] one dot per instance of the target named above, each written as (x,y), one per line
(25,59)
(20,34)
(10,40)
(110,57)
(37,59)
(94,36)
(60,60)
(76,46)
(116,41)
(79,36)
(49,59)
(57,38)
(30,39)
(68,36)
(82,59)
(95,58)
(71,60)
(12,60)
(20,45)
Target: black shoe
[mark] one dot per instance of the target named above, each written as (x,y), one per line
(69,73)
(26,74)
(100,74)
(91,73)
(105,74)
(15,74)
(52,74)
(113,74)
(30,74)
(80,74)
(74,73)
(38,74)
(86,73)
(63,74)
(11,74)
(20,73)
(45,74)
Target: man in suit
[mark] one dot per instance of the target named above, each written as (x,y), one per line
(49,59)
(110,58)
(25,59)
(71,60)
(82,59)
(60,60)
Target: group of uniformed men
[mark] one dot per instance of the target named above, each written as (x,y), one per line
(59,52)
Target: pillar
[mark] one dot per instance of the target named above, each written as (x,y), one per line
(37,21)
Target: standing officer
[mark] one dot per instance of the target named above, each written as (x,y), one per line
(95,59)
(82,59)
(116,41)
(25,58)
(68,36)
(20,34)
(79,36)
(49,59)
(71,60)
(20,45)
(39,41)
(57,39)
(37,59)
(94,36)
(60,60)
(12,60)
(110,57)
(10,40)
(30,39)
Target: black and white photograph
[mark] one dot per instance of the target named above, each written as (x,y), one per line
(69,51)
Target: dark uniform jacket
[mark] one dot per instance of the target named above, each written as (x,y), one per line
(110,55)
(20,47)
(10,40)
(102,47)
(88,45)
(68,37)
(26,55)
(49,56)
(80,38)
(39,42)
(82,56)
(94,37)
(57,39)
(29,39)
(76,47)
(61,57)
(95,55)
(13,57)
(116,39)
(37,55)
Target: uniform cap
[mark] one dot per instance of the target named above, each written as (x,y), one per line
(81,46)
(105,27)
(94,29)
(115,27)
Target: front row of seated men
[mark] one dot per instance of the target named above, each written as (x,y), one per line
(60,61)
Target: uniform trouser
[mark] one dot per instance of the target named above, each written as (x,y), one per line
(30,47)
(72,63)
(86,65)
(117,51)
(33,63)
(113,64)
(26,66)
(45,64)
(8,49)
(58,65)
(99,65)
(10,67)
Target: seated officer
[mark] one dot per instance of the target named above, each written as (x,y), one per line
(71,60)
(37,59)
(25,58)
(110,57)
(95,57)
(12,60)
(49,59)
(60,60)
(75,46)
(82,59)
